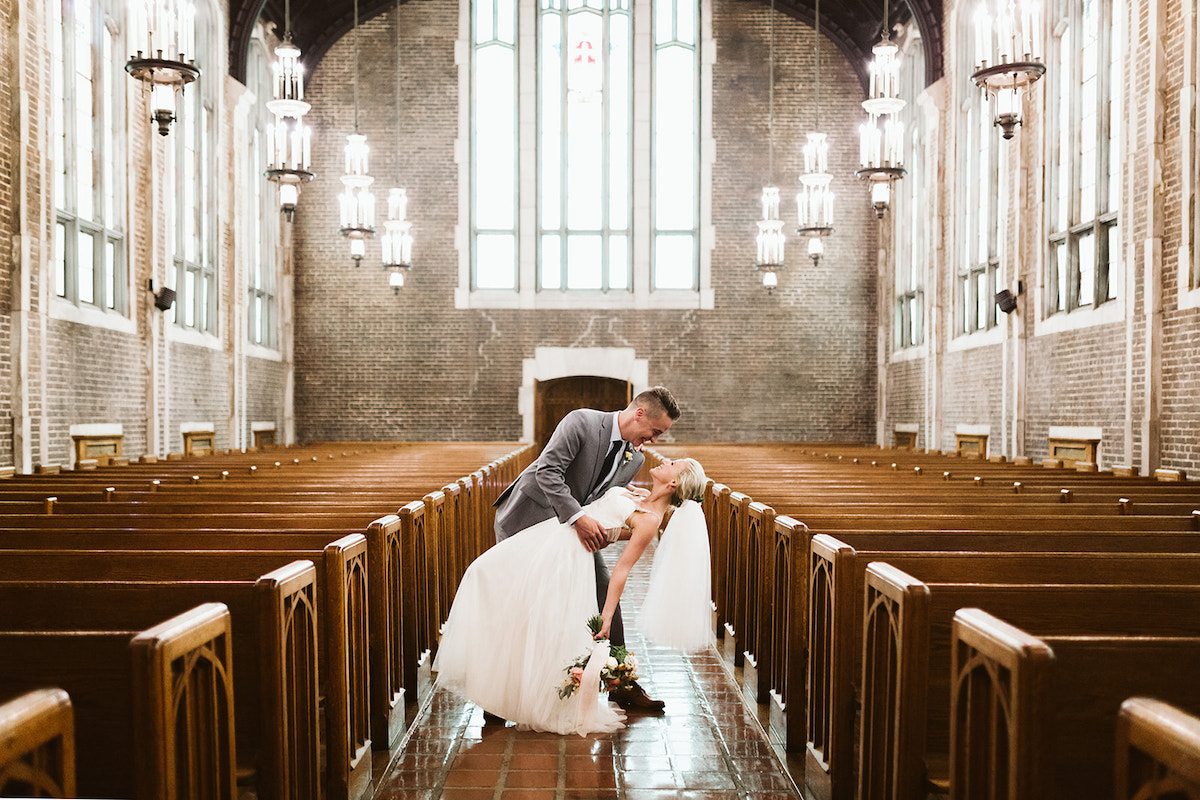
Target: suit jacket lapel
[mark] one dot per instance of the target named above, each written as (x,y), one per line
(603,442)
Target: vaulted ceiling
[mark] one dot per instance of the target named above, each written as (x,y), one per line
(853,25)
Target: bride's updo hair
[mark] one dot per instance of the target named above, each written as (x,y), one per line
(691,482)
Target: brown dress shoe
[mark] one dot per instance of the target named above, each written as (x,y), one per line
(635,698)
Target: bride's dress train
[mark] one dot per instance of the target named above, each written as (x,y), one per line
(520,617)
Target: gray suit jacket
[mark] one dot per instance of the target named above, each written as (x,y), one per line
(559,481)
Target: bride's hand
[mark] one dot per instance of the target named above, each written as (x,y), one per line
(604,629)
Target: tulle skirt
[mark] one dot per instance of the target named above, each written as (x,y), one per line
(518,619)
(677,610)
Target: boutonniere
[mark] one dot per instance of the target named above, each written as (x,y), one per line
(628,455)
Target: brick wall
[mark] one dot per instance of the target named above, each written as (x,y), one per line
(793,365)
(79,373)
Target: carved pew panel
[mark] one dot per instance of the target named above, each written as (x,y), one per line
(1158,752)
(1066,749)
(37,745)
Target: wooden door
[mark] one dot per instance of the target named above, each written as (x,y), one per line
(554,399)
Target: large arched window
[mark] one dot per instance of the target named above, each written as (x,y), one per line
(88,117)
(262,204)
(191,173)
(598,221)
(911,213)
(978,194)
(1083,143)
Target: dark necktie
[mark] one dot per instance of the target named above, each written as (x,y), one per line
(609,460)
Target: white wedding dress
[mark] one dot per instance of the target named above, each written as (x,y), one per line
(520,617)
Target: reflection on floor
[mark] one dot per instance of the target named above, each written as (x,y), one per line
(707,745)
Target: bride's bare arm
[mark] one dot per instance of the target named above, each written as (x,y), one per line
(644,527)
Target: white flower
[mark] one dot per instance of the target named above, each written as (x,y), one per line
(611,663)
(631,661)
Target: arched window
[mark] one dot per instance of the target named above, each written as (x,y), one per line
(191,185)
(1083,171)
(911,214)
(88,85)
(978,189)
(262,204)
(598,222)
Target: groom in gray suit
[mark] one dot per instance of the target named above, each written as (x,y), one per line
(589,452)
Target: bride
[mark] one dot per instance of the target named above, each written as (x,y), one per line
(520,614)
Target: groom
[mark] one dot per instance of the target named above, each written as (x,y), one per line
(589,452)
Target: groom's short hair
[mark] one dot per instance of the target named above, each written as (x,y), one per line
(658,400)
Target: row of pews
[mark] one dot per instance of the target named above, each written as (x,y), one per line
(138,601)
(914,623)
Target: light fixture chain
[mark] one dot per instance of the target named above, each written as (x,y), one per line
(817,70)
(287,19)
(771,98)
(356,66)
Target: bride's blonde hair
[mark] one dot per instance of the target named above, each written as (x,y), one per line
(690,484)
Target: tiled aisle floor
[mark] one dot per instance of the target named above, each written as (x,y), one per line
(708,744)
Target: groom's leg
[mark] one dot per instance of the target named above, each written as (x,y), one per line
(616,631)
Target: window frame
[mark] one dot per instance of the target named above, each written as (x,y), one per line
(909,217)
(527,222)
(198,114)
(972,268)
(107,226)
(262,277)
(1105,276)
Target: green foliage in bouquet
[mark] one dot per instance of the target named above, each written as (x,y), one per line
(619,671)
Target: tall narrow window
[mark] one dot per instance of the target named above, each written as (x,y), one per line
(264,213)
(676,144)
(191,168)
(589,231)
(911,213)
(978,191)
(1083,269)
(585,146)
(88,139)
(494,144)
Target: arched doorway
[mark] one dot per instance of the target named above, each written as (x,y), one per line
(554,399)
(620,364)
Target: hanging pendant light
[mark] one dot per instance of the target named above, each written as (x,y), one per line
(356,204)
(397,240)
(164,66)
(771,239)
(1015,38)
(881,137)
(814,202)
(289,140)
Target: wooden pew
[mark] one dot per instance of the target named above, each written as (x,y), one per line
(141,701)
(37,745)
(1158,751)
(274,633)
(340,598)
(1098,609)
(1051,732)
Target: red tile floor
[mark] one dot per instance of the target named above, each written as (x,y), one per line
(708,745)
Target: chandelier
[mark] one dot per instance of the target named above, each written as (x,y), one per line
(356,203)
(881,137)
(814,202)
(397,240)
(771,239)
(289,140)
(164,66)
(1014,37)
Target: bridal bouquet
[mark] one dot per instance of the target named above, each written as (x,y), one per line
(619,671)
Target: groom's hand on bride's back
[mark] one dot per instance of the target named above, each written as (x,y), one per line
(590,533)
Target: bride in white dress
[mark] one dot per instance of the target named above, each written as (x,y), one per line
(520,614)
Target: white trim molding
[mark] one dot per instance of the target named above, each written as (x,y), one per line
(620,363)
